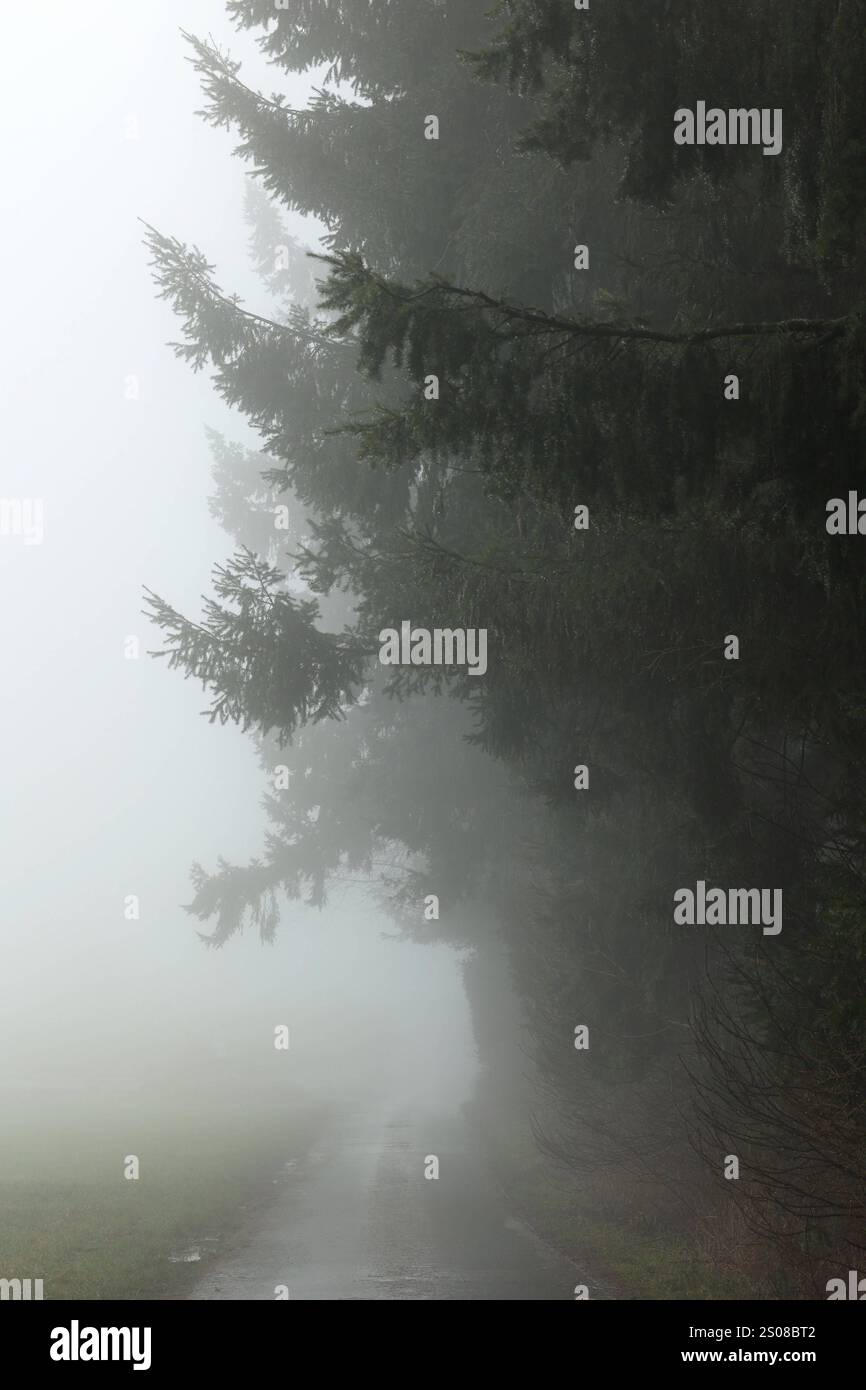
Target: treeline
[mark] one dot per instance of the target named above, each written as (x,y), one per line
(697,385)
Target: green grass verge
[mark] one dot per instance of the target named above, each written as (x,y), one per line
(603,1229)
(68,1215)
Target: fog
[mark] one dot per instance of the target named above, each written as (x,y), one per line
(112,784)
(404,932)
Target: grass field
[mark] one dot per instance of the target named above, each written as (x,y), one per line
(68,1215)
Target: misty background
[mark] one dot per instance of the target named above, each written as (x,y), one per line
(111,783)
(567,380)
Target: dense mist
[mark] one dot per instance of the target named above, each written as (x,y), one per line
(434,750)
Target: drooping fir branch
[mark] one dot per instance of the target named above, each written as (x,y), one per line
(392,316)
(217,327)
(222,86)
(524,395)
(377,315)
(258,651)
(293,380)
(237,894)
(296,152)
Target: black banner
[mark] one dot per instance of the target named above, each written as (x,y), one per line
(163,1338)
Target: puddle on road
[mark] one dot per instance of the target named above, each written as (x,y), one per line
(288,1170)
(191,1254)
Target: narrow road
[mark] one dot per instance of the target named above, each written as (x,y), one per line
(359,1220)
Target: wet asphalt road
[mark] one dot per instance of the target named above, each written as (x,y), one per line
(357,1219)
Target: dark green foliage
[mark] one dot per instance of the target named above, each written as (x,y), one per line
(619,72)
(560,388)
